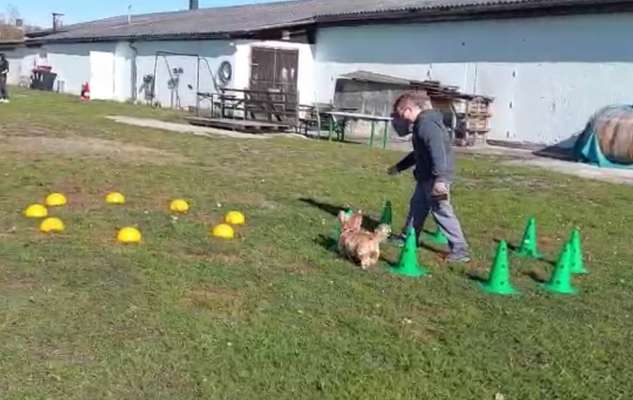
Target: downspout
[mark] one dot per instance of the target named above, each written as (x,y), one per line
(134,71)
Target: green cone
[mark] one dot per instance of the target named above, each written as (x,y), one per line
(560,282)
(408,263)
(387,214)
(438,237)
(529,243)
(499,278)
(577,260)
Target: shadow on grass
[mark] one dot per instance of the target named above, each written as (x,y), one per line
(477,276)
(369,223)
(511,247)
(514,248)
(433,249)
(537,275)
(328,243)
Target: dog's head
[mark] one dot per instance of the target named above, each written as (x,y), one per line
(351,223)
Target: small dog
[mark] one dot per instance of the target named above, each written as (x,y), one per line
(359,245)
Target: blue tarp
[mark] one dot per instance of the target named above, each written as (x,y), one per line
(587,148)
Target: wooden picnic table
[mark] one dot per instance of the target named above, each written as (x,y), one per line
(345,116)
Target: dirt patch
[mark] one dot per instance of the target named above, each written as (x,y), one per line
(18,284)
(79,198)
(15,129)
(87,147)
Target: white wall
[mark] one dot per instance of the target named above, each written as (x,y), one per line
(212,52)
(18,66)
(71,62)
(548,75)
(123,59)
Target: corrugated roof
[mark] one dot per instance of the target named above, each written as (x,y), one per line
(241,20)
(367,76)
(358,7)
(433,88)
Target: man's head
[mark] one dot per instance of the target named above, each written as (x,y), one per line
(1,56)
(406,110)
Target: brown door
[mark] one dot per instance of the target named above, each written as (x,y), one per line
(274,72)
(274,69)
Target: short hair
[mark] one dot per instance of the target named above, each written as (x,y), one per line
(418,99)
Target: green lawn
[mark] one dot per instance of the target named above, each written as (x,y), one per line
(275,314)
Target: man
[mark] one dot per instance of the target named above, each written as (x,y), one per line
(433,159)
(4,70)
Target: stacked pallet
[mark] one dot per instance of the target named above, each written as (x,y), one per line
(477,119)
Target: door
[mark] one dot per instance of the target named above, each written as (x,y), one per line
(101,75)
(499,81)
(274,79)
(274,69)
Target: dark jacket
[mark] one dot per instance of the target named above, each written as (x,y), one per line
(432,154)
(4,67)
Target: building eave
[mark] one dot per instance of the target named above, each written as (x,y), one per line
(478,12)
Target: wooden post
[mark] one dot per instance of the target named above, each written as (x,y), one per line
(373,131)
(384,139)
(329,137)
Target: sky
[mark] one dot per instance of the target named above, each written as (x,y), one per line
(38,12)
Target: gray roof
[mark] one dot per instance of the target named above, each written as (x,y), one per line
(242,21)
(433,88)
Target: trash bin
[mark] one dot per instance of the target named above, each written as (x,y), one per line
(43,80)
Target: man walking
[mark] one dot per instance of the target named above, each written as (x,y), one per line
(433,159)
(4,70)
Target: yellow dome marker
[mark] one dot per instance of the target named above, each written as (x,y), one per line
(179,206)
(36,211)
(52,225)
(129,235)
(56,200)
(223,231)
(115,198)
(235,218)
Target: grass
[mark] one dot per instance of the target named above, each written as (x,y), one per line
(275,314)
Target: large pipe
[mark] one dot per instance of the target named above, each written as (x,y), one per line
(134,71)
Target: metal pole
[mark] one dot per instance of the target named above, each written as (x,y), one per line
(198,87)
(373,130)
(154,80)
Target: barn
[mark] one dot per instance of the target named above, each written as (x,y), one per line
(548,64)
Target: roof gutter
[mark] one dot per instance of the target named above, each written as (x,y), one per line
(232,35)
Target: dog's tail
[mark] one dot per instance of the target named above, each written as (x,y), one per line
(381,233)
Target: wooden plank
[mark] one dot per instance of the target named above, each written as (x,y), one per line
(238,124)
(365,117)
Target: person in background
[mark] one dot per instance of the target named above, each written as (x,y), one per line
(433,159)
(4,71)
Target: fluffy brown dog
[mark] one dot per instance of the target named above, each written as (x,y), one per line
(359,245)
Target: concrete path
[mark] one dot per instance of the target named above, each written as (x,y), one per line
(194,130)
(582,170)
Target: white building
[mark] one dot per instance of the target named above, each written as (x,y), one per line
(548,64)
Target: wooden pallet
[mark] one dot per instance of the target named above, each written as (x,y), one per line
(252,126)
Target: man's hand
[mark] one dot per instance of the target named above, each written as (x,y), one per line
(393,170)
(440,189)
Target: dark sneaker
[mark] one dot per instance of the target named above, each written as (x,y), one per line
(397,240)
